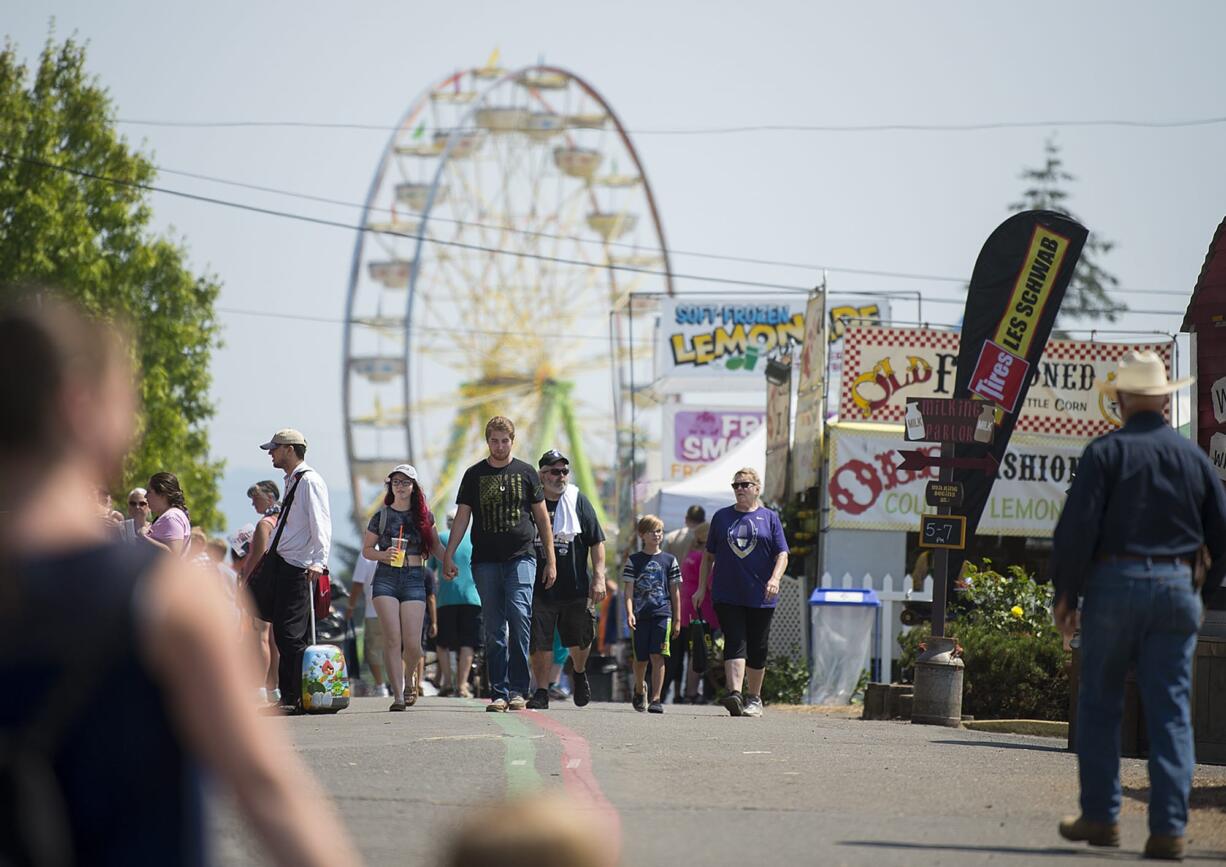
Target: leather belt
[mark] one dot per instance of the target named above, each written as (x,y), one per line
(1136,558)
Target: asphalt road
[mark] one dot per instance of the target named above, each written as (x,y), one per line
(696,786)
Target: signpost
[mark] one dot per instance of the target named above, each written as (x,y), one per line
(1016,288)
(949,420)
(918,460)
(943,531)
(943,493)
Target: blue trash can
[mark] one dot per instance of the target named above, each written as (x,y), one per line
(842,622)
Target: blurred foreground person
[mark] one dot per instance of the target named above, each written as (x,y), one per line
(129,689)
(534,831)
(1144,502)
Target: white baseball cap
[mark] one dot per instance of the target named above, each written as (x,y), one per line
(405,470)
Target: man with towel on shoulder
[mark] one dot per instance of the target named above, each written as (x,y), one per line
(569,606)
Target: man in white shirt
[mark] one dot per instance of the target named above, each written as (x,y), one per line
(298,556)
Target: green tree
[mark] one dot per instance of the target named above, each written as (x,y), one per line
(1089,292)
(90,238)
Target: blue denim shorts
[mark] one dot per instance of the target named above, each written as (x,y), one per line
(405,585)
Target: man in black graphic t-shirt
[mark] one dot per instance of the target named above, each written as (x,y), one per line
(569,605)
(504,500)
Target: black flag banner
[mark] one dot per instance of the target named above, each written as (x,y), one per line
(1016,288)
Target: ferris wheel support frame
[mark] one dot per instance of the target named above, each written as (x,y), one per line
(557,407)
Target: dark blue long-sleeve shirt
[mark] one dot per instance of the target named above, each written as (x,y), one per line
(1141,491)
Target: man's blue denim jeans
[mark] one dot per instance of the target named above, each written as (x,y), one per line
(506,611)
(1144,614)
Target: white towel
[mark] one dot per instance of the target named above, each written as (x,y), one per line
(566,516)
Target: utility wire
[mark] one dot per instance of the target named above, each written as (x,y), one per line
(320,221)
(672,251)
(724,130)
(535,234)
(336,224)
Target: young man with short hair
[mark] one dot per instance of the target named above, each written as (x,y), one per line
(301,555)
(569,606)
(503,498)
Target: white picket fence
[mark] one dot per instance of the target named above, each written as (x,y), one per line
(885,626)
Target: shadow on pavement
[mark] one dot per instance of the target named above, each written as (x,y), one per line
(1026,851)
(1005,745)
(1202,798)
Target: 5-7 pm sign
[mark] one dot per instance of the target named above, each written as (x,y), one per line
(943,531)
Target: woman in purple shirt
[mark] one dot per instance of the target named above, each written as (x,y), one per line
(172,527)
(747,546)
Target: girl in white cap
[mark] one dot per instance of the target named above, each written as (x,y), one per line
(399,537)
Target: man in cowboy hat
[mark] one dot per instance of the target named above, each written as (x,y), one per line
(1144,502)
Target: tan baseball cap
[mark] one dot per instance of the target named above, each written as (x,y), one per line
(285,437)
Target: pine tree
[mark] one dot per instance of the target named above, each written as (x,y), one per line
(1088,295)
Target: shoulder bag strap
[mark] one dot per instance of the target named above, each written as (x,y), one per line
(284,517)
(382,521)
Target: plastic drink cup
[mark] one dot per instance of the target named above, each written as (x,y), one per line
(397,557)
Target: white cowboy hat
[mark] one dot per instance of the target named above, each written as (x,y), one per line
(1140,373)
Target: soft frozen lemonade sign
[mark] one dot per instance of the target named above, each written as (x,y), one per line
(706,435)
(712,343)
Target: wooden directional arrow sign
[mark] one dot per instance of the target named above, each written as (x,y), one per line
(918,460)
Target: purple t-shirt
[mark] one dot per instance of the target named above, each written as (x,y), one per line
(745,545)
(170,526)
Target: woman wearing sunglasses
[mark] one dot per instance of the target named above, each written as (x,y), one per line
(750,554)
(399,537)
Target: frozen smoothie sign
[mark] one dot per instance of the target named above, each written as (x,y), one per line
(702,435)
(716,344)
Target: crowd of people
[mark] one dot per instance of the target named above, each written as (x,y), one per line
(518,579)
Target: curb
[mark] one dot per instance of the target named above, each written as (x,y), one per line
(1040,727)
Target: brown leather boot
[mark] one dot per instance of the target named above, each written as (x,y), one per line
(1079,830)
(1164,848)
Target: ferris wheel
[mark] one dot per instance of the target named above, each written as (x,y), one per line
(507,224)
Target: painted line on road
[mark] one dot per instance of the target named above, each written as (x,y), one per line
(579,779)
(521,751)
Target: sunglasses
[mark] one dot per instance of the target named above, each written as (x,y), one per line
(742,485)
(564,471)
(138,502)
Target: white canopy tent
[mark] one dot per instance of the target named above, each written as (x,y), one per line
(710,487)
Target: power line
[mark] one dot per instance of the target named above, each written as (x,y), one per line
(726,130)
(462,245)
(336,224)
(808,266)
(672,251)
(419,329)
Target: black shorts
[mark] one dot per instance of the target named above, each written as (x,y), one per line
(574,621)
(459,626)
(652,636)
(747,632)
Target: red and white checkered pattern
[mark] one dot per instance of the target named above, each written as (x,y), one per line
(865,346)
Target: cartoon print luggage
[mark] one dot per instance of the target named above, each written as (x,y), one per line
(325,677)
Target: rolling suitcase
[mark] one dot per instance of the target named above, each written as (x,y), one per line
(325,677)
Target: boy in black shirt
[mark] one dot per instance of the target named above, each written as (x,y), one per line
(653,608)
(503,498)
(569,606)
